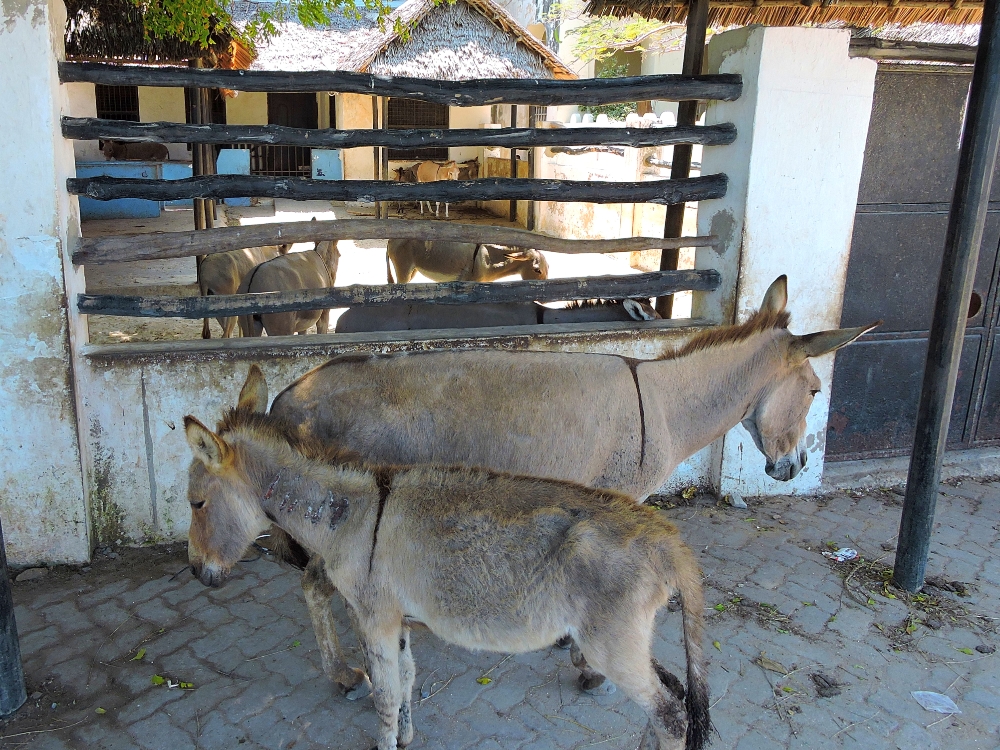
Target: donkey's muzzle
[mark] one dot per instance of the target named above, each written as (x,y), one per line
(209,575)
(786,467)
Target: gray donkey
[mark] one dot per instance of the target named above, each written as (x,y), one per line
(485,560)
(313,269)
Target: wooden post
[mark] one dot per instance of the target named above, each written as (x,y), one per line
(513,161)
(531,174)
(687,114)
(197,153)
(207,153)
(376,155)
(385,153)
(12,692)
(976,162)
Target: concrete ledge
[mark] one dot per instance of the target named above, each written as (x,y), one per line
(891,472)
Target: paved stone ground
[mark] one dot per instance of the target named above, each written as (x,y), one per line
(93,640)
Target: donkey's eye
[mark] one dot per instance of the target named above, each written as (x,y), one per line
(198,505)
(814,392)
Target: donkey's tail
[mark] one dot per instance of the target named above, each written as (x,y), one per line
(693,604)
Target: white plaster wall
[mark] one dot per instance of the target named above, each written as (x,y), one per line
(83,103)
(41,483)
(663,63)
(587,220)
(157,104)
(794,172)
(472,118)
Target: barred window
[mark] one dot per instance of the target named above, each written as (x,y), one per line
(537,115)
(117,102)
(403,114)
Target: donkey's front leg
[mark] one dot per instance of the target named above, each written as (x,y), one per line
(407,674)
(319,592)
(381,646)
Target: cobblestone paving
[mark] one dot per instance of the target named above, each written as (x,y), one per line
(777,613)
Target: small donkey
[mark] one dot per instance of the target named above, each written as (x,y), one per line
(485,560)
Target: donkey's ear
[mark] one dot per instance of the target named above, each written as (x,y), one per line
(776,296)
(206,446)
(824,342)
(638,311)
(253,397)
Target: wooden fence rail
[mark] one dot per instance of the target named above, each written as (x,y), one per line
(588,91)
(445,191)
(448,293)
(135,247)
(90,128)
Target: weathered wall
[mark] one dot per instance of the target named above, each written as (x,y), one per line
(83,103)
(247,108)
(157,104)
(794,173)
(41,483)
(587,220)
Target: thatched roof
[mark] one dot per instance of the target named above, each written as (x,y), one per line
(464,40)
(860,13)
(113,30)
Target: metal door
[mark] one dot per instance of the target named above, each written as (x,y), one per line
(911,160)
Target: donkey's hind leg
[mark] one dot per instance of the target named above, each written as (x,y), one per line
(319,594)
(624,655)
(590,681)
(407,674)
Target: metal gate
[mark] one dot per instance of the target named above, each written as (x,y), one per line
(911,161)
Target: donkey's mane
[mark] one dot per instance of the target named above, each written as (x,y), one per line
(583,304)
(277,428)
(760,321)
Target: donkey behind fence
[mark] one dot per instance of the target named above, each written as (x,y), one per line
(408,545)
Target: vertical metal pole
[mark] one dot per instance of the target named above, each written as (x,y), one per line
(12,692)
(976,163)
(513,161)
(687,114)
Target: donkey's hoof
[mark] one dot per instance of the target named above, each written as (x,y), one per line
(565,642)
(599,685)
(360,689)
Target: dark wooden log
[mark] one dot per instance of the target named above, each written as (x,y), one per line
(591,91)
(117,249)
(886,49)
(445,191)
(687,115)
(91,128)
(977,160)
(448,293)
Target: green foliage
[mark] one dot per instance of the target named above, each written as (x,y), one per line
(203,22)
(600,37)
(619,111)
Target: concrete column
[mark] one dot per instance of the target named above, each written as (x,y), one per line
(794,172)
(42,497)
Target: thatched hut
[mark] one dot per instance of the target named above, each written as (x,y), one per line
(460,41)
